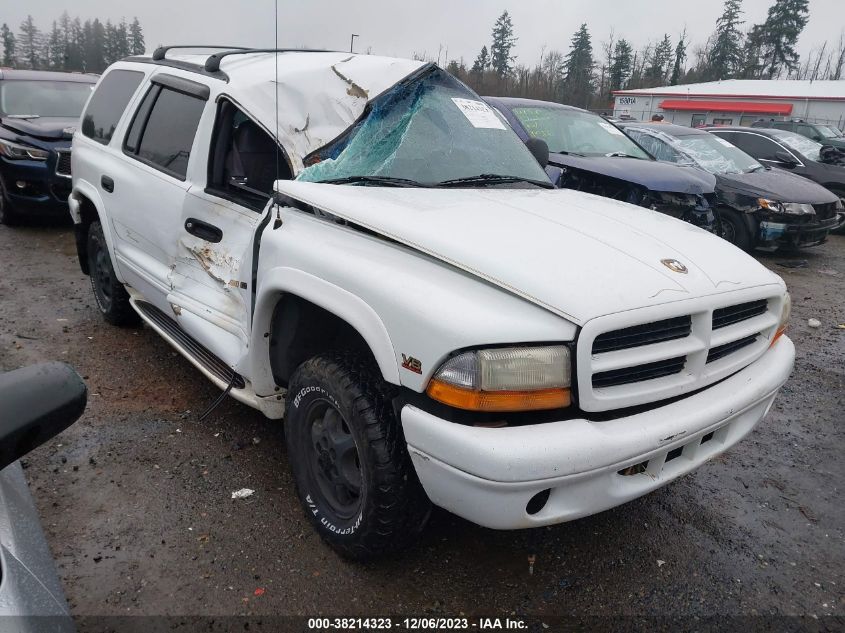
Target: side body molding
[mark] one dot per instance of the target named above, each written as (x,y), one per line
(352,309)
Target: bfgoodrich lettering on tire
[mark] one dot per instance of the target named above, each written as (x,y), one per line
(349,460)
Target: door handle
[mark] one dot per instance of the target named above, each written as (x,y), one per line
(107,183)
(203,230)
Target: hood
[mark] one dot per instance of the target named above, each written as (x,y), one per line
(651,174)
(46,128)
(775,184)
(575,254)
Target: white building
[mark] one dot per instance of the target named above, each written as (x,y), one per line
(737,102)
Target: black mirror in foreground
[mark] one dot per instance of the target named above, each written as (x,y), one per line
(36,404)
(539,149)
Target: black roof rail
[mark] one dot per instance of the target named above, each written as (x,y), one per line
(161,51)
(212,64)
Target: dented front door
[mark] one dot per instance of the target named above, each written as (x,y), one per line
(211,280)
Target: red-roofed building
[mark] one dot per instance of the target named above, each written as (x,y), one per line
(736,102)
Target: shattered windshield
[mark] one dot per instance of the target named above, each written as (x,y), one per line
(802,144)
(574,132)
(717,155)
(426,131)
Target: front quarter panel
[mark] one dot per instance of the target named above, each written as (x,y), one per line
(406,305)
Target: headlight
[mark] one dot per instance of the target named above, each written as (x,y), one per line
(785,311)
(790,208)
(14,151)
(505,379)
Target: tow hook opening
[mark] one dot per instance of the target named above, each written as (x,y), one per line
(538,501)
(636,469)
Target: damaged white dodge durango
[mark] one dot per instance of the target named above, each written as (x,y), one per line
(361,246)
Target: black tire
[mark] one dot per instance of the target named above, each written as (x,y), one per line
(8,215)
(735,230)
(350,464)
(112,298)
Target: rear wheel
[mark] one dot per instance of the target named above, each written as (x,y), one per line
(112,298)
(347,452)
(735,230)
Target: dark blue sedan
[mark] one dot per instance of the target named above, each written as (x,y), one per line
(591,154)
(39,111)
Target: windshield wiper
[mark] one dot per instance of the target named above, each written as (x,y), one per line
(621,155)
(388,181)
(493,179)
(565,153)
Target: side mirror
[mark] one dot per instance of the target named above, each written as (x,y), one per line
(539,149)
(785,157)
(36,404)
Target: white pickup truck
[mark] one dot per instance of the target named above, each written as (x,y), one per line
(361,246)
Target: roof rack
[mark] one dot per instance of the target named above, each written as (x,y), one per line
(212,64)
(161,51)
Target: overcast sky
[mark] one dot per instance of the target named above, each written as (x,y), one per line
(401,28)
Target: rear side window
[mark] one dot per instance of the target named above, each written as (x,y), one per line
(108,103)
(163,130)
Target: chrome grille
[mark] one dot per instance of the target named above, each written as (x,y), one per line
(650,354)
(63,162)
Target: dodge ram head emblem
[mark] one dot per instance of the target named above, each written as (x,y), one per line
(674,265)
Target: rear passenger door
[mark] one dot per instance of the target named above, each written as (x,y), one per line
(146,189)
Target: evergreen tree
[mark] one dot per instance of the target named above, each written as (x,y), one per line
(726,55)
(136,38)
(659,65)
(29,44)
(9,45)
(482,62)
(578,81)
(680,59)
(95,46)
(503,42)
(784,23)
(622,64)
(56,49)
(752,53)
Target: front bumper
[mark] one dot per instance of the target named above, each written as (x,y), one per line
(45,192)
(488,476)
(774,235)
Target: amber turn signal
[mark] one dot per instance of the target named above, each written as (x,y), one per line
(498,401)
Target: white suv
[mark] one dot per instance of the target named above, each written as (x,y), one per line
(365,247)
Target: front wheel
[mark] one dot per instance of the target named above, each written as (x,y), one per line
(8,215)
(347,452)
(735,230)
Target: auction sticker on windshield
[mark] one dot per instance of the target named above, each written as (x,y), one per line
(722,141)
(479,114)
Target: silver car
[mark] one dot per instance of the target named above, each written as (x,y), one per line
(36,403)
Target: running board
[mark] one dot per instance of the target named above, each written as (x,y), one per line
(198,352)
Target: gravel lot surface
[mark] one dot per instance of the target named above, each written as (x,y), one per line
(136,501)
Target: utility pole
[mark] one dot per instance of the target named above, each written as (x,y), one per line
(352,41)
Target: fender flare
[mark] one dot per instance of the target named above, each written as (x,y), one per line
(342,303)
(85,189)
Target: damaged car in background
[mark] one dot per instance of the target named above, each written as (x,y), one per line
(589,153)
(39,111)
(363,247)
(759,206)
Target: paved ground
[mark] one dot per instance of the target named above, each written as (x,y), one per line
(135,498)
